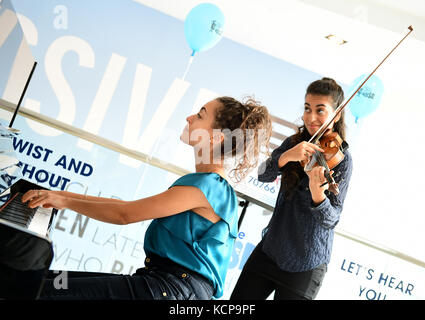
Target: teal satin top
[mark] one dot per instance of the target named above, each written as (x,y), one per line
(193,241)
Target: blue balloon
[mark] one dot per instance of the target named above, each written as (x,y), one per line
(369,96)
(203,27)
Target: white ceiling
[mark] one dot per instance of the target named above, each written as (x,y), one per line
(411,7)
(388,14)
(294,31)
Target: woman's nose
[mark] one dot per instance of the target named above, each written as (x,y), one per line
(189,118)
(310,117)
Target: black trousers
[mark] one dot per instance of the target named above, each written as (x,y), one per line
(261,276)
(159,279)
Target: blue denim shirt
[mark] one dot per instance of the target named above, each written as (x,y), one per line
(299,236)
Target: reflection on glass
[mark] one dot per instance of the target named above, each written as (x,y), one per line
(10,166)
(16,60)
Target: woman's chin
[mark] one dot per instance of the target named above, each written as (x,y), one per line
(311,132)
(184,141)
(184,137)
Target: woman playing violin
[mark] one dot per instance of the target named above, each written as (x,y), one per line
(292,257)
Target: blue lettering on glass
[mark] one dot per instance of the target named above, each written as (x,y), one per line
(383,280)
(54,180)
(86,169)
(371,294)
(240,253)
(234,259)
(249,247)
(28,148)
(43,176)
(261,185)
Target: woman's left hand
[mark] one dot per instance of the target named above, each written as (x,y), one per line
(44,198)
(317,179)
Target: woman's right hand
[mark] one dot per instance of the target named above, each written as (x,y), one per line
(301,152)
(45,199)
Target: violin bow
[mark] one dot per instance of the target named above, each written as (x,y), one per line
(319,133)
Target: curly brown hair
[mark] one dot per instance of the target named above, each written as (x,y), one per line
(247,129)
(293,171)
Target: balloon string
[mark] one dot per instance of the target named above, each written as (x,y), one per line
(189,64)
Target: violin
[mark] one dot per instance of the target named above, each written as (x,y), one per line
(333,147)
(331,142)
